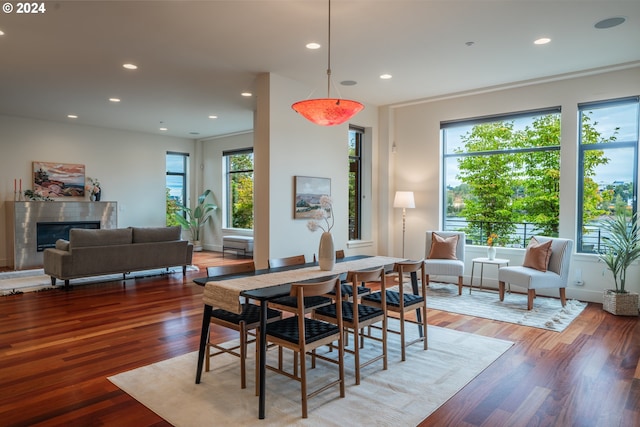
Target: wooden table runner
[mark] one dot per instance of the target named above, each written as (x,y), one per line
(225,294)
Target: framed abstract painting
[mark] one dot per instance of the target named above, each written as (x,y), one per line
(57,180)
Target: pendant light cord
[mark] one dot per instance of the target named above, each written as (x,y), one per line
(329,55)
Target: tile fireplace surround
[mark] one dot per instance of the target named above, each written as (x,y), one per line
(23,218)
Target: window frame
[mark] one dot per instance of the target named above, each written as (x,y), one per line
(611,145)
(228,203)
(184,174)
(355,161)
(449,153)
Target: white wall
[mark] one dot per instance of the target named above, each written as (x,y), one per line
(213,179)
(417,162)
(287,145)
(129,165)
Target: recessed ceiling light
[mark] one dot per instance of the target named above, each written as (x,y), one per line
(164,129)
(385,76)
(609,22)
(313,46)
(348,83)
(72,116)
(114,99)
(194,133)
(213,117)
(130,66)
(246,94)
(542,40)
(1,33)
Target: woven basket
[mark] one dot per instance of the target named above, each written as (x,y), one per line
(620,304)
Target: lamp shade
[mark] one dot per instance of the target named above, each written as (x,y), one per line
(404,199)
(327,111)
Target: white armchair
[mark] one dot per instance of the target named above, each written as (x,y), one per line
(445,266)
(556,276)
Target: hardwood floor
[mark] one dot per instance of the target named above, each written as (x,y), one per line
(57,348)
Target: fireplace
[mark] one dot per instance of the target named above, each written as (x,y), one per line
(47,233)
(27,238)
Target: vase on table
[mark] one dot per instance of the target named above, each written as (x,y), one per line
(326,252)
(491,253)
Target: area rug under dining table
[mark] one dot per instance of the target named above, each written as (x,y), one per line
(405,394)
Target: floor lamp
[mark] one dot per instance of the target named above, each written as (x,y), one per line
(404,200)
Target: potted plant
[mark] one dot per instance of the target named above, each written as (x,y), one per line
(194,219)
(622,247)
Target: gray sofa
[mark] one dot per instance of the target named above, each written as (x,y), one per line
(119,250)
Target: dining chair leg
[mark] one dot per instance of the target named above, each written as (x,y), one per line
(356,354)
(424,327)
(402,337)
(303,385)
(243,355)
(384,343)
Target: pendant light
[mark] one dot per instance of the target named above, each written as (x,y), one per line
(328,111)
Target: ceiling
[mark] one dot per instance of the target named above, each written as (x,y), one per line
(196,57)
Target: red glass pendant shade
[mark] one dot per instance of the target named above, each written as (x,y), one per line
(327,111)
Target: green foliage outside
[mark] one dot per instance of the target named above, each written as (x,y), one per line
(172,209)
(500,190)
(241,191)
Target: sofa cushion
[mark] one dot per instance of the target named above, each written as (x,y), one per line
(82,238)
(156,234)
(62,245)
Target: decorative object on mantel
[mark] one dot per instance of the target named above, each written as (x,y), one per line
(328,111)
(17,191)
(34,196)
(94,189)
(194,219)
(491,250)
(58,179)
(622,247)
(326,251)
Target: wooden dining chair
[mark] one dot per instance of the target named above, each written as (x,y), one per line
(402,302)
(287,261)
(339,255)
(290,302)
(356,317)
(303,335)
(247,320)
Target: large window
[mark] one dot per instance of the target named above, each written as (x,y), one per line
(239,188)
(176,183)
(608,166)
(501,176)
(355,182)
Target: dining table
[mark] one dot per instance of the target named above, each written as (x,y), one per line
(265,285)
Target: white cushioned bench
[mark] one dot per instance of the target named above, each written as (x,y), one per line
(238,244)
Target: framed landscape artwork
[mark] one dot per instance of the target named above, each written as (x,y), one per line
(58,179)
(308,191)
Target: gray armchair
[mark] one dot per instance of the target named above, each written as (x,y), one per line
(450,266)
(556,276)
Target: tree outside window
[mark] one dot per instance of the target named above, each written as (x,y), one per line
(239,197)
(502,176)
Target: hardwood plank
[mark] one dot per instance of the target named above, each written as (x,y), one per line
(58,347)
